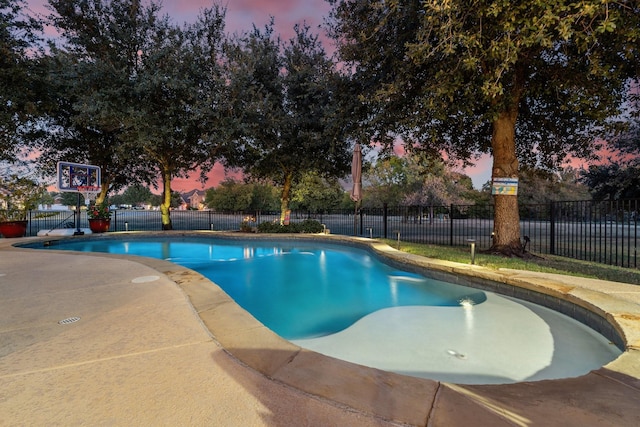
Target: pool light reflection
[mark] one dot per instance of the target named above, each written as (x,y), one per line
(467,303)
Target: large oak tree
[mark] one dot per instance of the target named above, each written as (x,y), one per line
(529,81)
(134,93)
(285,94)
(91,68)
(178,113)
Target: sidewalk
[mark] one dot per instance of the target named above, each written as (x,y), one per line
(139,355)
(148,350)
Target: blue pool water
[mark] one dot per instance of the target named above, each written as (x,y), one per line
(343,302)
(296,289)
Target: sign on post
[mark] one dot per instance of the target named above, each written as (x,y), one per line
(504,187)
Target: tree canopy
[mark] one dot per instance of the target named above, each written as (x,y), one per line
(135,94)
(317,194)
(234,196)
(20,73)
(415,180)
(135,195)
(531,81)
(286,93)
(619,176)
(90,70)
(177,115)
(538,186)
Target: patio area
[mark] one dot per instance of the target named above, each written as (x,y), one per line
(94,339)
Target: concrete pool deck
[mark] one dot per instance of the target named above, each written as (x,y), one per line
(157,343)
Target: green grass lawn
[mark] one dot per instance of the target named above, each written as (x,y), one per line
(541,263)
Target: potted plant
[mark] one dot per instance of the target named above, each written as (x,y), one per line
(99,217)
(18,195)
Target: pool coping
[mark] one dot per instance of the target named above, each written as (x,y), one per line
(410,400)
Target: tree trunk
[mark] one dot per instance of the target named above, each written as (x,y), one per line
(285,197)
(102,195)
(166,200)
(506,228)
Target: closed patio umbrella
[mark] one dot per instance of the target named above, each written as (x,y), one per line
(356,175)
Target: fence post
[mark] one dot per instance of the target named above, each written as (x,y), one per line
(552,231)
(361,221)
(451,225)
(384,219)
(635,237)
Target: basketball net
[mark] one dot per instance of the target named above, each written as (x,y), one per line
(89,192)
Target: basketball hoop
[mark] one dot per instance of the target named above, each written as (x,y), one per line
(89,192)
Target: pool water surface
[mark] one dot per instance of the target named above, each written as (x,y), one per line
(344,302)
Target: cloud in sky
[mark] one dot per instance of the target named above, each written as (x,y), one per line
(241,14)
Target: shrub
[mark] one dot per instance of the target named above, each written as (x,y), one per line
(306,226)
(311,226)
(248,224)
(270,227)
(18,195)
(100,211)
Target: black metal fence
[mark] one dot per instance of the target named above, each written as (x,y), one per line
(603,232)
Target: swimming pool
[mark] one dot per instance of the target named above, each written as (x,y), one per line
(344,302)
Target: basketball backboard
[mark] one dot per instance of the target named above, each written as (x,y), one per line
(72,175)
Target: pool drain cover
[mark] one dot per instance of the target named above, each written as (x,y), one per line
(68,320)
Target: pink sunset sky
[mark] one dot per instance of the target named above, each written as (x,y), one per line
(241,16)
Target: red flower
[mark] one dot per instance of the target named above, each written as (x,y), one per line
(100,211)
